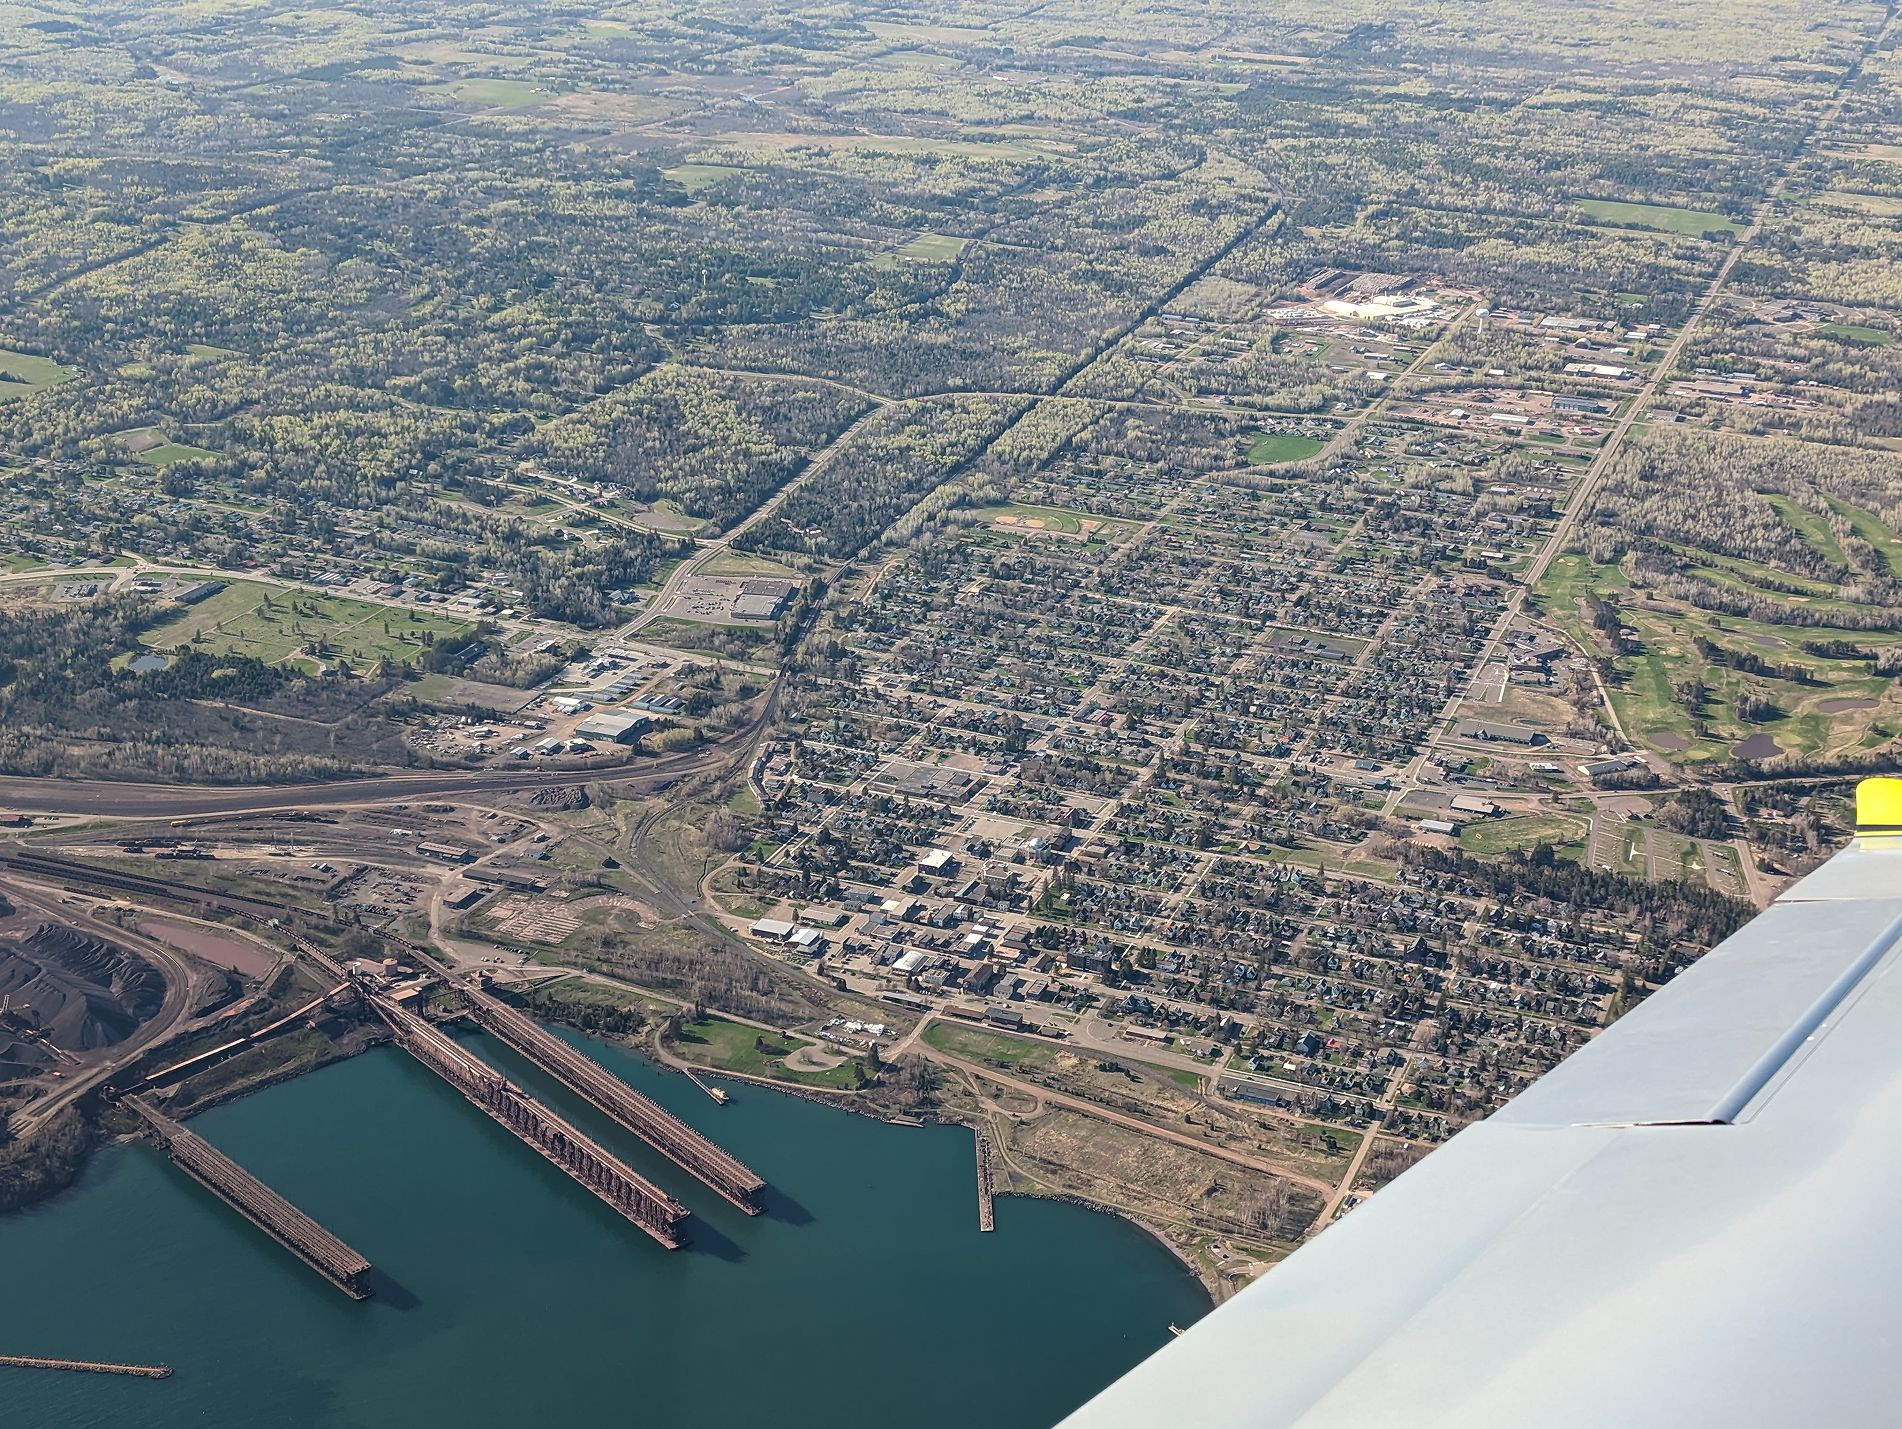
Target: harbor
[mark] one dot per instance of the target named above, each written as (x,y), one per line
(489,1255)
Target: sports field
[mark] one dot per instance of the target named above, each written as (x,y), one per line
(1267,448)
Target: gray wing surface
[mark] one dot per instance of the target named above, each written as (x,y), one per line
(1694,1220)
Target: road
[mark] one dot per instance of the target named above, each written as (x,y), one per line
(1581,499)
(106,798)
(185,984)
(1103,1113)
(712,549)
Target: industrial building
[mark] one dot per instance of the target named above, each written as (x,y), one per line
(1505,733)
(762,599)
(615,728)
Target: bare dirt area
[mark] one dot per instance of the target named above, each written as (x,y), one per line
(814,1059)
(1082,1154)
(225,950)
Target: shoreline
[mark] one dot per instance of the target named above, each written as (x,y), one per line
(850,1102)
(651,1052)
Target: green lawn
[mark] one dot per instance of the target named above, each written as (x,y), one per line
(695,177)
(166,453)
(499,93)
(1853,332)
(1693,222)
(21,373)
(1522,831)
(1871,528)
(925,248)
(238,621)
(1267,448)
(1811,527)
(717,1044)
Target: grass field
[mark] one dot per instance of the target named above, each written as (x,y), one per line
(695,177)
(989,1047)
(715,1043)
(272,625)
(1267,448)
(499,93)
(1811,527)
(206,350)
(1876,205)
(1012,1053)
(1692,222)
(1867,525)
(21,373)
(1645,681)
(905,34)
(167,453)
(1522,831)
(1861,336)
(925,248)
(151,446)
(1055,520)
(1002,151)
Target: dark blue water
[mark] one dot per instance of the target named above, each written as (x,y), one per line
(513,1297)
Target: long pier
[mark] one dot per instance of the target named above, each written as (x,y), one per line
(644,1118)
(607,1093)
(610,1178)
(986,1207)
(143,1371)
(258,1203)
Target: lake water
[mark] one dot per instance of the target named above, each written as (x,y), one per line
(510,1296)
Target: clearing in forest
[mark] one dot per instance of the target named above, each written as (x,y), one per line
(1692,222)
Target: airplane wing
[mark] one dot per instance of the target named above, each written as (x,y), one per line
(1694,1220)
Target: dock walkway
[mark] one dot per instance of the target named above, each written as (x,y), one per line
(986,1211)
(258,1203)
